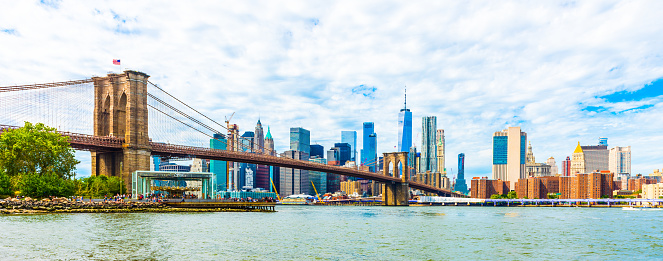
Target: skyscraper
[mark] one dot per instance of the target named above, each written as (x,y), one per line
(369,155)
(246,141)
(350,137)
(577,161)
(269,143)
(246,173)
(588,159)
(440,152)
(199,165)
(566,167)
(300,140)
(343,152)
(461,184)
(620,160)
(596,158)
(317,151)
(247,176)
(262,172)
(319,179)
(412,161)
(273,171)
(259,139)
(509,150)
(405,128)
(553,166)
(530,154)
(294,181)
(218,167)
(156,161)
(428,144)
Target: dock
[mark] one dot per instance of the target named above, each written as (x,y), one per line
(250,206)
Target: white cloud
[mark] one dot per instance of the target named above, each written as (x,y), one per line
(479,66)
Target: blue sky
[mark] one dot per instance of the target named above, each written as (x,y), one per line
(565,71)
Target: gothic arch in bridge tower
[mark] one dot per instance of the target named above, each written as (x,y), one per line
(395,164)
(395,193)
(121,113)
(105,117)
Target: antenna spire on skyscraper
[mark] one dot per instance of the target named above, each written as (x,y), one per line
(405,97)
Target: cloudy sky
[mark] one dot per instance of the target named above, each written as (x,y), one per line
(564,71)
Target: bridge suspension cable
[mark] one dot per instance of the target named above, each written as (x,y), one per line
(66,106)
(251,144)
(42,85)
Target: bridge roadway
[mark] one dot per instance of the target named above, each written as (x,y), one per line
(107,143)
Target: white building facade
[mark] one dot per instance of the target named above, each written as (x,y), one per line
(620,160)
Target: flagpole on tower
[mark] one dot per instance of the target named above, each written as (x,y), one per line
(117,62)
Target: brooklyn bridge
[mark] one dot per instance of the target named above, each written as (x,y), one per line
(123,119)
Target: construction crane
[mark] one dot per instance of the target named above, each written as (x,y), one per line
(275,191)
(230,131)
(316,193)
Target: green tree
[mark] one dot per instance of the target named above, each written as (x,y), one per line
(512,195)
(37,161)
(6,188)
(99,186)
(496,196)
(44,185)
(36,149)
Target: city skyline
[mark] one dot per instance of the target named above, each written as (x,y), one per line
(584,77)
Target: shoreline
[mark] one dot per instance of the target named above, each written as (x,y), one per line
(63,205)
(124,210)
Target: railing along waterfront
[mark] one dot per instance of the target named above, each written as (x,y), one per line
(552,202)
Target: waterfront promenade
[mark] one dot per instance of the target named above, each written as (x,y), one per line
(605,202)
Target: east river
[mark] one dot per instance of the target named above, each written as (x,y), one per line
(339,233)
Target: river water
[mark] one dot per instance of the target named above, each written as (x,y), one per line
(339,233)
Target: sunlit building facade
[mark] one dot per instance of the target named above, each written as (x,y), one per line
(509,155)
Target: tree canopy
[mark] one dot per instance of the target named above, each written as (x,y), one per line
(37,161)
(36,148)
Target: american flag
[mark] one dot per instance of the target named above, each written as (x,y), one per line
(116,61)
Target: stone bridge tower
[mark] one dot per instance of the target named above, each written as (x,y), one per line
(120,110)
(396,193)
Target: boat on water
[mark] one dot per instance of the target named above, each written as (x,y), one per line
(298,199)
(642,208)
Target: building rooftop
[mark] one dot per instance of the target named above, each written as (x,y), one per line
(578,148)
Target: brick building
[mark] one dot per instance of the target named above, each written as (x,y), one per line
(636,184)
(351,187)
(583,186)
(537,187)
(484,188)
